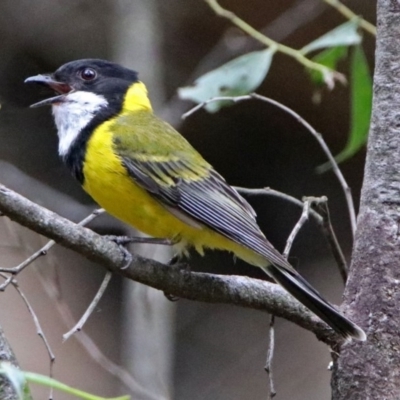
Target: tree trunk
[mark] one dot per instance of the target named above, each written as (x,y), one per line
(7,391)
(371,370)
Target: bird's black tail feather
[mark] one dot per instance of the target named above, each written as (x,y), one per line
(299,288)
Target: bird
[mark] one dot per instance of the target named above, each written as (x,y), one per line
(142,171)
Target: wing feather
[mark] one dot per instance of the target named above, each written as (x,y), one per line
(175,174)
(208,200)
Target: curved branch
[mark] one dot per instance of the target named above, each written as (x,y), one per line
(310,128)
(210,288)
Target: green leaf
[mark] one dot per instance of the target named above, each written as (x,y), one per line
(330,58)
(19,380)
(361,104)
(344,35)
(50,382)
(237,77)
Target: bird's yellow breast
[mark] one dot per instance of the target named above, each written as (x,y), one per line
(108,182)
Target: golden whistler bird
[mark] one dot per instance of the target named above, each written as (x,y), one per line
(142,171)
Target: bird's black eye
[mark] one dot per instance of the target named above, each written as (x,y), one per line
(88,74)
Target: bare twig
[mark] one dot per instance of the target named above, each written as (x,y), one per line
(297,227)
(7,281)
(39,329)
(322,220)
(211,288)
(323,209)
(90,309)
(307,203)
(349,14)
(275,193)
(90,347)
(315,133)
(43,251)
(270,357)
(271,345)
(16,270)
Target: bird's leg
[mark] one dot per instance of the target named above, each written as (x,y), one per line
(122,241)
(176,262)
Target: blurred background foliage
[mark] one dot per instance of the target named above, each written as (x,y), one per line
(183,350)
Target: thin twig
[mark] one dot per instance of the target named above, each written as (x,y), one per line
(270,357)
(325,149)
(43,251)
(329,74)
(297,227)
(7,281)
(349,14)
(90,309)
(332,239)
(11,279)
(267,191)
(89,346)
(314,132)
(39,329)
(289,243)
(322,220)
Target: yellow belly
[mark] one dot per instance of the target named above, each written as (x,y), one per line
(107,181)
(109,184)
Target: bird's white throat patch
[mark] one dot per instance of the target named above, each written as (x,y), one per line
(73,114)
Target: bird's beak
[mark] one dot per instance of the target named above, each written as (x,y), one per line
(59,87)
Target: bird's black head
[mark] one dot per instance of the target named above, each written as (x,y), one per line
(101,77)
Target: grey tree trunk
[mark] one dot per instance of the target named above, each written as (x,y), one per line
(6,354)
(371,370)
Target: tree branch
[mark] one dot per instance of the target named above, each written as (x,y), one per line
(335,167)
(329,75)
(349,14)
(210,288)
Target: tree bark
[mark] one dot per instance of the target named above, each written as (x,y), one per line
(371,370)
(7,391)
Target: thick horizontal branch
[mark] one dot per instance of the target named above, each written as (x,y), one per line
(210,288)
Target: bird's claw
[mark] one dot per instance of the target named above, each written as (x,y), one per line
(171,297)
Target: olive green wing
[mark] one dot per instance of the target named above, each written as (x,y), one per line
(161,161)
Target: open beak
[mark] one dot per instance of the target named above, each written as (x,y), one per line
(59,87)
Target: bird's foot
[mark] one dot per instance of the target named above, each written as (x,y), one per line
(127,256)
(122,241)
(176,262)
(171,297)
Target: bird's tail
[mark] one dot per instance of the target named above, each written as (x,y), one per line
(299,288)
